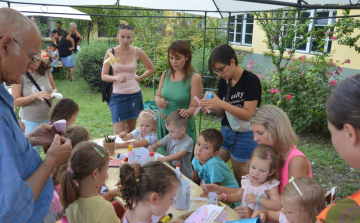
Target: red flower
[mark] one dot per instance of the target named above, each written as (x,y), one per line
(288,97)
(272,91)
(304,61)
(276,90)
(332,83)
(337,72)
(340,69)
(331,73)
(259,76)
(333,38)
(347,61)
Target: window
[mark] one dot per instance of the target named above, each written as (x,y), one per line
(310,45)
(241,29)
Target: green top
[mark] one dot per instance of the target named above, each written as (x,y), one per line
(178,97)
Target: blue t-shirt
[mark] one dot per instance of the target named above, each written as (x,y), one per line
(18,160)
(215,171)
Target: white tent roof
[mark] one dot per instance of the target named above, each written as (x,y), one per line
(184,5)
(49,11)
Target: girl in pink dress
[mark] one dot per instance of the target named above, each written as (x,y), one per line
(259,188)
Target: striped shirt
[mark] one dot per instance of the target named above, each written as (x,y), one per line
(18,160)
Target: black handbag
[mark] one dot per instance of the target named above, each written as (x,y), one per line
(107,87)
(37,86)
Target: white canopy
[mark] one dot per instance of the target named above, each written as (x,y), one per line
(49,11)
(184,5)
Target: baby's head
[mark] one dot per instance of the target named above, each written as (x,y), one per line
(64,108)
(88,163)
(76,134)
(208,145)
(52,47)
(147,121)
(263,164)
(176,125)
(302,199)
(154,183)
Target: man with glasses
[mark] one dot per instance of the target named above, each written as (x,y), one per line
(26,189)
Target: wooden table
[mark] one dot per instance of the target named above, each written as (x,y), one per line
(195,191)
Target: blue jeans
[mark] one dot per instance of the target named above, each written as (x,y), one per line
(31,125)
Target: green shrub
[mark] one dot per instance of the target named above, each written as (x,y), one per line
(89,61)
(308,85)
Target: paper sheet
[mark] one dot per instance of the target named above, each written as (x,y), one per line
(205,214)
(117,140)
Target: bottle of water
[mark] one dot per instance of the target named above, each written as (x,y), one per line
(152,157)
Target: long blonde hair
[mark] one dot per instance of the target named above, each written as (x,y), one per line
(312,200)
(278,124)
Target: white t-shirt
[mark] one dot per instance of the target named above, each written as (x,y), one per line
(56,60)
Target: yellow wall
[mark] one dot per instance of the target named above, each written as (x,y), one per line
(338,52)
(341,52)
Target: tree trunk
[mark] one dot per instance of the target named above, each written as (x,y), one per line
(279,89)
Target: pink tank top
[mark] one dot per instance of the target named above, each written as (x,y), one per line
(284,172)
(131,86)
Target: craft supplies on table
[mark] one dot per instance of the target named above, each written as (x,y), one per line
(195,190)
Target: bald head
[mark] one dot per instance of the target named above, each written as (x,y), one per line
(15,24)
(20,40)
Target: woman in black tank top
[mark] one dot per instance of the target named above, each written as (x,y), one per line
(74,33)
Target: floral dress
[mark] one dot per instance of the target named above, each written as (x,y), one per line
(260,190)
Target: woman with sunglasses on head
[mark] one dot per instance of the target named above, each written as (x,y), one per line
(126,101)
(239,94)
(35,104)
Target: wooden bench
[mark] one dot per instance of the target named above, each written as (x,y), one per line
(59,67)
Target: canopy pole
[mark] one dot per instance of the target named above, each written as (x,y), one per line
(228,29)
(8,4)
(203,65)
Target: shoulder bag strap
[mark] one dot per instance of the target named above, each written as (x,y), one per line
(110,70)
(228,88)
(37,86)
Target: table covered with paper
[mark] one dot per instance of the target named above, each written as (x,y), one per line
(199,209)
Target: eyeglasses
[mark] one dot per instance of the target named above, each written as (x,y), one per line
(123,26)
(220,71)
(33,58)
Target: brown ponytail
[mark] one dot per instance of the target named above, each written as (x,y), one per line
(137,182)
(83,161)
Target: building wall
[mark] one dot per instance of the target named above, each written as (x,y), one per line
(338,52)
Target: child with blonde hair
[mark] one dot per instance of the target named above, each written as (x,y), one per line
(302,199)
(259,188)
(148,190)
(144,135)
(88,166)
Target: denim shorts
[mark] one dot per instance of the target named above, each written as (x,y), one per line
(67,61)
(244,145)
(125,106)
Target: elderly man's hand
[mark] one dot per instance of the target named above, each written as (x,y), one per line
(43,135)
(59,151)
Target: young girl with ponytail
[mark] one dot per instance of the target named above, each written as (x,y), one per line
(81,183)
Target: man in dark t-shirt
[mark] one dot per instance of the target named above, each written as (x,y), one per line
(61,31)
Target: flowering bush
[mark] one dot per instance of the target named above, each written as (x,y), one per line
(306,87)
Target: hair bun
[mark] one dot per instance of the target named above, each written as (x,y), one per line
(123,22)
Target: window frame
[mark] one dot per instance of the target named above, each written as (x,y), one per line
(243,32)
(308,49)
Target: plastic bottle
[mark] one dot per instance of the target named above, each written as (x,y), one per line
(130,147)
(178,167)
(131,156)
(152,157)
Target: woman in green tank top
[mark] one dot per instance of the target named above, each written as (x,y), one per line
(177,89)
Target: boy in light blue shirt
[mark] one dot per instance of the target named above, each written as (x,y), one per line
(208,166)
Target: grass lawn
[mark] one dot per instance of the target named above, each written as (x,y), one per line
(328,168)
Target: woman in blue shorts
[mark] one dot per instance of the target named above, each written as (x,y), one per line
(239,94)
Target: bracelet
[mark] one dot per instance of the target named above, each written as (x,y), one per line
(258,199)
(224,196)
(32,97)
